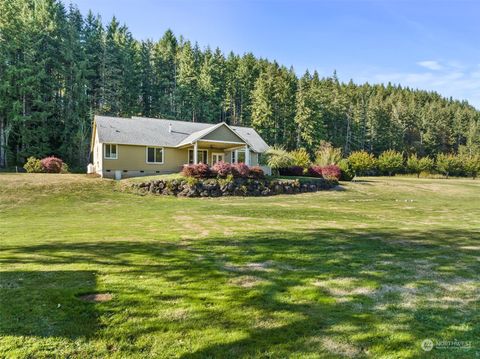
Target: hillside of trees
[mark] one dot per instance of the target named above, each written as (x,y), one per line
(59,68)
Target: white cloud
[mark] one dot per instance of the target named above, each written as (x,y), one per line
(431,65)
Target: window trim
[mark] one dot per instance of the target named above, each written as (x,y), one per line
(235,155)
(198,150)
(154,163)
(105,151)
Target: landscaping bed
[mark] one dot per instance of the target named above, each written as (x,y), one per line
(218,187)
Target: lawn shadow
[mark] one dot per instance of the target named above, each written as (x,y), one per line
(331,291)
(45,304)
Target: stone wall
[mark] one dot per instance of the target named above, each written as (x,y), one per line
(217,187)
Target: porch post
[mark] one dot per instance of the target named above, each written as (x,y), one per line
(195,153)
(247,155)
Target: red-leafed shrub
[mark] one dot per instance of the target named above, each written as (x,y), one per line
(315,171)
(240,170)
(256,172)
(52,164)
(291,171)
(222,169)
(331,172)
(200,170)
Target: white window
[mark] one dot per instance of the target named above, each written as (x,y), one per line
(238,156)
(111,152)
(202,156)
(155,155)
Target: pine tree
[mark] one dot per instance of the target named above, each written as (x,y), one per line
(187,84)
(165,76)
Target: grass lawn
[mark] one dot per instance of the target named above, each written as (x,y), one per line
(371,271)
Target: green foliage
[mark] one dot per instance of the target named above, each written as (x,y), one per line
(191,181)
(390,162)
(73,66)
(33,165)
(347,171)
(472,165)
(418,165)
(300,158)
(448,164)
(277,157)
(426,164)
(327,154)
(65,168)
(361,162)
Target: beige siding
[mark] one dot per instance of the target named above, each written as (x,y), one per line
(97,154)
(223,133)
(134,158)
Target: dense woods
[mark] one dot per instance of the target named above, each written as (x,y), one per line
(59,68)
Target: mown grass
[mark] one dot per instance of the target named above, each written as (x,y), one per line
(366,272)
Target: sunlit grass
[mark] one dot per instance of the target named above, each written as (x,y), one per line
(370,271)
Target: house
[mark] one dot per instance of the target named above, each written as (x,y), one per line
(128,147)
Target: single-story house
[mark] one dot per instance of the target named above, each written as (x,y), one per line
(128,147)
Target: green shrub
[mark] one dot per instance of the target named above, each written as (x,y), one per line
(472,165)
(361,162)
(33,165)
(328,155)
(449,164)
(390,162)
(278,158)
(347,173)
(65,169)
(426,164)
(300,158)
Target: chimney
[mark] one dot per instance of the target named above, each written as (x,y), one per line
(170,128)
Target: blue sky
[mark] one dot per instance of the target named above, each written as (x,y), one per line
(423,44)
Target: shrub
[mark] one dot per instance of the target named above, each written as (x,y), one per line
(346,172)
(240,170)
(52,164)
(291,171)
(426,164)
(65,168)
(256,172)
(278,158)
(331,172)
(315,171)
(33,165)
(300,158)
(418,165)
(200,170)
(328,155)
(222,169)
(390,162)
(448,164)
(472,165)
(361,162)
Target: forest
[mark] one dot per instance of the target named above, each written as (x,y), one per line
(58,68)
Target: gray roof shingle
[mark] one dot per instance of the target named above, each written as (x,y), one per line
(154,132)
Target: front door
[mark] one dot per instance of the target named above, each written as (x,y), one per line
(217,157)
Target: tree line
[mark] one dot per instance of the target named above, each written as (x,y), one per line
(58,68)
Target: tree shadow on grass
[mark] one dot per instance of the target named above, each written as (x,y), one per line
(329,292)
(45,304)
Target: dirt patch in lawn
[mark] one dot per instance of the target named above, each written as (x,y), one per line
(247,281)
(96,297)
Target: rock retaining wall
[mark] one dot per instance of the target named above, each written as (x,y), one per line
(213,187)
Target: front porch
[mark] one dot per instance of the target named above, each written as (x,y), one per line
(211,152)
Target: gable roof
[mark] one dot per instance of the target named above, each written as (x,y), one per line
(154,132)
